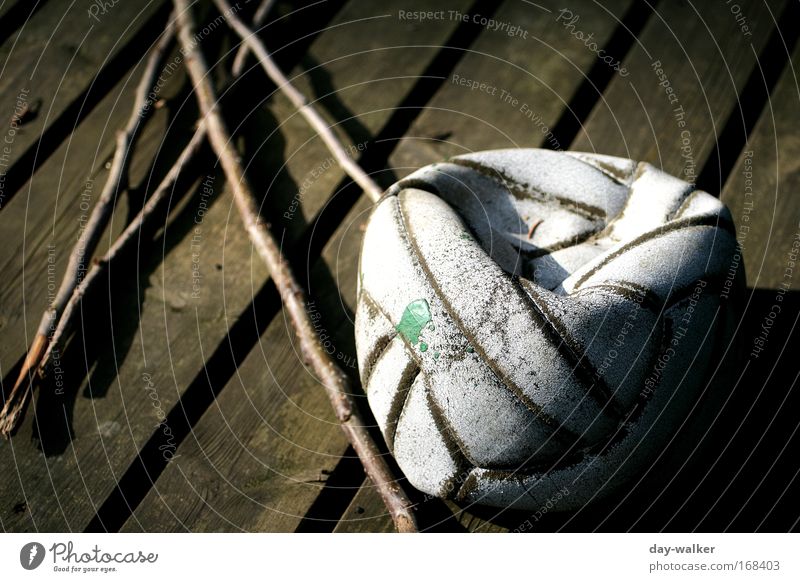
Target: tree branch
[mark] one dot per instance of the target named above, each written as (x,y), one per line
(333,379)
(17,400)
(314,119)
(258,19)
(130,235)
(132,232)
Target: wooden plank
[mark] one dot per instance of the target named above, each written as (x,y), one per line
(751,485)
(44,220)
(707,69)
(759,190)
(685,75)
(56,68)
(529,80)
(42,223)
(101,420)
(227,506)
(351,254)
(41,227)
(366,513)
(54,202)
(246,274)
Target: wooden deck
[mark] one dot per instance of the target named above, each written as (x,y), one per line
(184,404)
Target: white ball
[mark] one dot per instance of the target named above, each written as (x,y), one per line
(532,322)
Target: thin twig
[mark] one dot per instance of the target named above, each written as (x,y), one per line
(258,19)
(131,233)
(331,376)
(314,119)
(129,236)
(17,401)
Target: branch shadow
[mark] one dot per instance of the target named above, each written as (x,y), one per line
(108,322)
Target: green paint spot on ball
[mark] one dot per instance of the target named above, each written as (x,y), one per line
(470,349)
(423,347)
(436,355)
(415,317)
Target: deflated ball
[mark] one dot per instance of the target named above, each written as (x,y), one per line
(532,322)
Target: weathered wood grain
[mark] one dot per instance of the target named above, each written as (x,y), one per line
(50,73)
(529,82)
(42,224)
(262,453)
(761,191)
(365,513)
(704,60)
(102,418)
(752,482)
(707,65)
(706,68)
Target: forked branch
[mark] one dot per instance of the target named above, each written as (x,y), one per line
(17,400)
(311,115)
